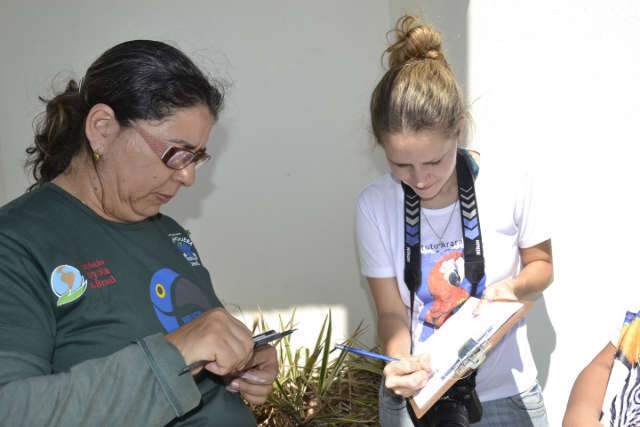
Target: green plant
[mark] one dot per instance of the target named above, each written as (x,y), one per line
(316,387)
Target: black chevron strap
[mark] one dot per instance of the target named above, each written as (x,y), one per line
(412,256)
(412,275)
(474,280)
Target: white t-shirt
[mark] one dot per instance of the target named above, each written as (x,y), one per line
(621,406)
(509,220)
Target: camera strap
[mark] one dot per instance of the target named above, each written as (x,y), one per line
(474,280)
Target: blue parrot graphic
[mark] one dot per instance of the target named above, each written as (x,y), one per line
(176,300)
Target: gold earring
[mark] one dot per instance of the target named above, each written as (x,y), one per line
(96,156)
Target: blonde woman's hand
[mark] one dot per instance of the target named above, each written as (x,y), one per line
(499,291)
(407,376)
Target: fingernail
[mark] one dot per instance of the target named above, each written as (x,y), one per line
(231,389)
(252,377)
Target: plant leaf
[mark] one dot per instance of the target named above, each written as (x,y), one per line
(325,358)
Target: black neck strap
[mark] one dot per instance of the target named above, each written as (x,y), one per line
(474,280)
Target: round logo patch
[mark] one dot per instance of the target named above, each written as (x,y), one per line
(67,283)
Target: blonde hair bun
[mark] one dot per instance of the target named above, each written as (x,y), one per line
(413,41)
(419,91)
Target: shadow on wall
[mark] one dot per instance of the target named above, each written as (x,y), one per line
(190,201)
(542,338)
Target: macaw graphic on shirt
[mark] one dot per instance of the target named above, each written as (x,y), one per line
(176,300)
(440,291)
(622,398)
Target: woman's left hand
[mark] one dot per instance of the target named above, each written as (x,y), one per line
(255,382)
(499,291)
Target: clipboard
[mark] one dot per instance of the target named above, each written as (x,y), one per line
(462,344)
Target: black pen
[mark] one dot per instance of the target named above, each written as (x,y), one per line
(258,340)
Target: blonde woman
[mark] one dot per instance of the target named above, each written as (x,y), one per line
(419,118)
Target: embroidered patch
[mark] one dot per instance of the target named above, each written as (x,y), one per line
(186,248)
(67,283)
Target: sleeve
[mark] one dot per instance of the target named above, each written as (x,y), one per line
(138,385)
(531,215)
(376,259)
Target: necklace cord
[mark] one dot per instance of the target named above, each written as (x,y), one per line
(446,227)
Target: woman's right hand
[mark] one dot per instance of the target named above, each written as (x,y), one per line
(215,336)
(408,375)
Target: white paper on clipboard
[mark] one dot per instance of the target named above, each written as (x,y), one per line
(449,344)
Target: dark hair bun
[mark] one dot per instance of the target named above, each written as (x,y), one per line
(58,133)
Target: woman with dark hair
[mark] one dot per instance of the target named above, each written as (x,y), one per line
(104,300)
(444,225)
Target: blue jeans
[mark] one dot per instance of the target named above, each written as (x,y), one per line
(521,410)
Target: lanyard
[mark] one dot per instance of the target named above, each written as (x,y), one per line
(473,251)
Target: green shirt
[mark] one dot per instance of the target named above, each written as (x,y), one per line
(84,305)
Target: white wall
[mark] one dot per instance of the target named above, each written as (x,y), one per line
(558,84)
(554,83)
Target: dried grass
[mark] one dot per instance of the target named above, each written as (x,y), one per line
(316,387)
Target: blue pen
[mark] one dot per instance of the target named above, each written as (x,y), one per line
(365,353)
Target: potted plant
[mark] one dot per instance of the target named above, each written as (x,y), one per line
(319,386)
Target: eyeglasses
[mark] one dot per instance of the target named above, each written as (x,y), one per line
(173,156)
